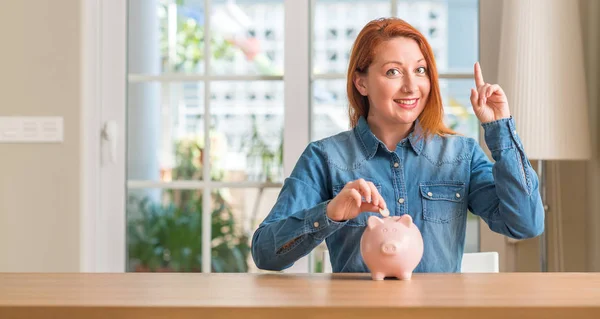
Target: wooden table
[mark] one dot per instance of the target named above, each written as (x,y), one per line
(285,296)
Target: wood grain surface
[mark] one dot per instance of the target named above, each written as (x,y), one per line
(275,295)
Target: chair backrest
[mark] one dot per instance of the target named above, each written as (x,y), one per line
(480,262)
(326,262)
(471,262)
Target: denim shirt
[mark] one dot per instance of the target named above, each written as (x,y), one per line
(434,180)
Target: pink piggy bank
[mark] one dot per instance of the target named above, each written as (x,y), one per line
(391,247)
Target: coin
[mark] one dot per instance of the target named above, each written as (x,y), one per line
(384,212)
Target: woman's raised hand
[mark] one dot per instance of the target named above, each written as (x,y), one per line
(488,100)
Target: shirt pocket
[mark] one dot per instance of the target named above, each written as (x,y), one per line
(361,219)
(442,201)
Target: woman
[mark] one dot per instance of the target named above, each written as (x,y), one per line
(399,156)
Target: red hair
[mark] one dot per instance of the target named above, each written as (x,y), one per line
(363,53)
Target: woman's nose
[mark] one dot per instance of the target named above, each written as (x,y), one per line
(406,89)
(408,85)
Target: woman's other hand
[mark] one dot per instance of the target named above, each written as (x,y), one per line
(349,203)
(488,100)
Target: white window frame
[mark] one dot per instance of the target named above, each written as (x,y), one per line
(103,50)
(104,83)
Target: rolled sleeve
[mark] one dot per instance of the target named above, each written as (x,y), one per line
(319,225)
(501,135)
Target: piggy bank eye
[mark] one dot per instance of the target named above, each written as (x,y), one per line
(384,230)
(394,229)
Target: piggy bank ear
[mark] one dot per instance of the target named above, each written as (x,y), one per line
(373,221)
(406,220)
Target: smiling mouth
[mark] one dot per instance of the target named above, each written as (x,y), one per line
(407,103)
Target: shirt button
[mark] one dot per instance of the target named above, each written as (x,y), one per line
(316,224)
(396,165)
(430,194)
(401,200)
(457,195)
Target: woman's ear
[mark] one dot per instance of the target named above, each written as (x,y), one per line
(360,83)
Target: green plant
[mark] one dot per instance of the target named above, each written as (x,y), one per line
(165,235)
(189,43)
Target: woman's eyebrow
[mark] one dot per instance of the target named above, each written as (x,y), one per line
(400,63)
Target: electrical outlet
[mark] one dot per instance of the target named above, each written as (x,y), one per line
(31,129)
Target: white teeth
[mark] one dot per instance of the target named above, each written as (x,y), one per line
(408,102)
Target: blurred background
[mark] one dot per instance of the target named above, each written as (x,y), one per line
(183,117)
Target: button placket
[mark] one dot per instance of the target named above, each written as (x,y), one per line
(399,185)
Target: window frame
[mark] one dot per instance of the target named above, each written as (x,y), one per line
(104,184)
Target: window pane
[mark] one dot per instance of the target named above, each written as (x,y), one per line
(252,32)
(164,120)
(230,232)
(330,108)
(181,36)
(450,26)
(458,111)
(336,25)
(237,212)
(248,131)
(164,228)
(168,36)
(472,234)
(166,131)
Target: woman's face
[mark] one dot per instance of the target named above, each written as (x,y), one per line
(396,82)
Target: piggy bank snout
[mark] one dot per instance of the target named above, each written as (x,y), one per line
(390,247)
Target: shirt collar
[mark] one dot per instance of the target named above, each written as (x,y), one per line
(371,142)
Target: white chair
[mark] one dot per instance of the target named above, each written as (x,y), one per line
(326,263)
(484,262)
(480,262)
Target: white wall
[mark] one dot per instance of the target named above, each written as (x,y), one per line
(39,183)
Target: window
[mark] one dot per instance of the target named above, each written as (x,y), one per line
(207,105)
(183,92)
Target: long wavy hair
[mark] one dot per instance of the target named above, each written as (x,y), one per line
(363,53)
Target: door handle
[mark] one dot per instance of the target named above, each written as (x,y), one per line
(110,133)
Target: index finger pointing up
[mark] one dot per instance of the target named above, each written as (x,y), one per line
(478,76)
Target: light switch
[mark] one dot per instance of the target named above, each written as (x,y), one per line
(31,129)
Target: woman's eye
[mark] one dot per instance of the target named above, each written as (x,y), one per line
(422,70)
(392,72)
